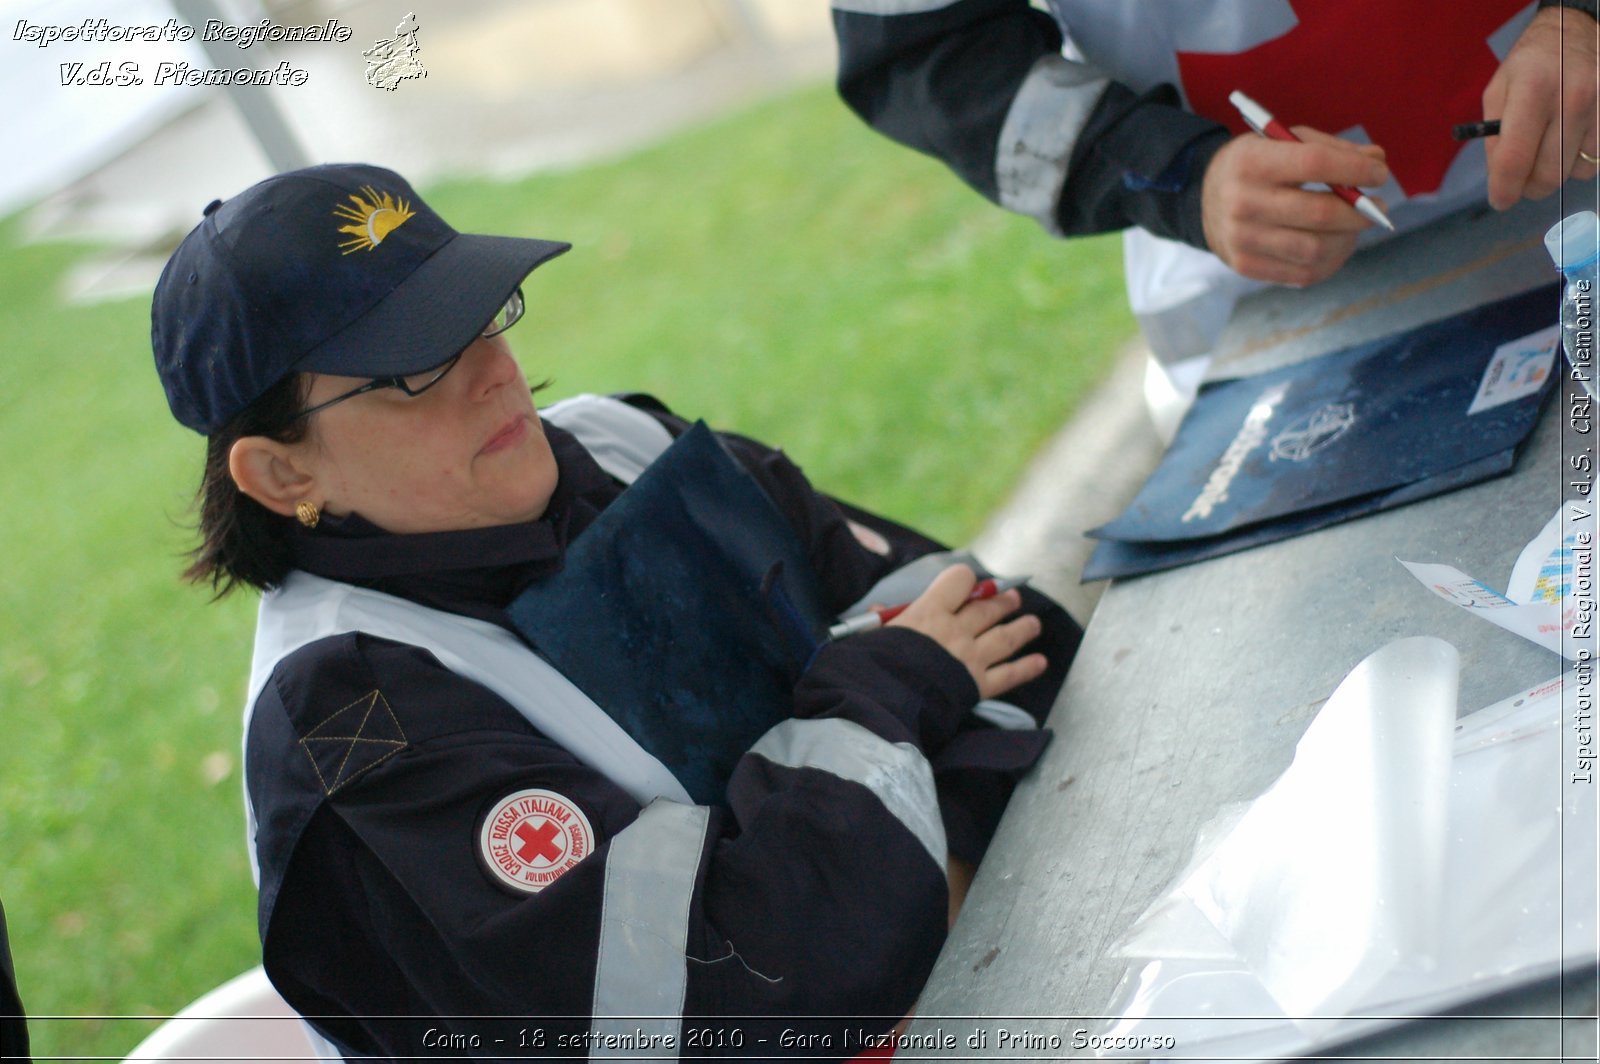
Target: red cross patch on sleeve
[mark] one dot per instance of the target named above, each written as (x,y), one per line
(530,838)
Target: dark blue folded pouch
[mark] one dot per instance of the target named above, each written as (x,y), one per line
(1359,430)
(687,611)
(1113,559)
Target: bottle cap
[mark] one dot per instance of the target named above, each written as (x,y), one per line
(1574,242)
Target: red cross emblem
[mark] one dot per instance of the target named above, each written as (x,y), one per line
(537,843)
(531,837)
(1404,72)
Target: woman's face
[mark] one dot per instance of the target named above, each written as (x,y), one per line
(469,452)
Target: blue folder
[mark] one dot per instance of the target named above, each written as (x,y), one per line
(1364,429)
(1113,558)
(687,611)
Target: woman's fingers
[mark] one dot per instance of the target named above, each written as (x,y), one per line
(999,679)
(975,631)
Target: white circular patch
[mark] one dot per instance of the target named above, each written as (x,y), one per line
(532,837)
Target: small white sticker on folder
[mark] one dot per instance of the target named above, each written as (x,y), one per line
(1519,368)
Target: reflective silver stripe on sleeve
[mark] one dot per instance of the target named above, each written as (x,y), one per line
(641,975)
(1048,113)
(896,772)
(890,7)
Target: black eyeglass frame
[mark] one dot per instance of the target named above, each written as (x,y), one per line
(512,312)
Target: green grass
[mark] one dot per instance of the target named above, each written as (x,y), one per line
(783,272)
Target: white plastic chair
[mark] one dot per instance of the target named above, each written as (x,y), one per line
(243,1019)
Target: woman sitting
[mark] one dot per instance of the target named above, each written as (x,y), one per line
(547,749)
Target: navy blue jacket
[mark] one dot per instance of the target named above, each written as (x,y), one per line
(380,920)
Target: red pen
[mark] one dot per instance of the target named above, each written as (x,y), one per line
(866,622)
(1260,119)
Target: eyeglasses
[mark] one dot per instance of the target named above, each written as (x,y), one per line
(414,384)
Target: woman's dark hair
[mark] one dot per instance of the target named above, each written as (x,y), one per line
(241,541)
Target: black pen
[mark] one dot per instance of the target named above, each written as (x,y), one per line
(1474,130)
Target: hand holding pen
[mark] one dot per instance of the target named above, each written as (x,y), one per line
(1261,120)
(967,617)
(1547,93)
(878,616)
(1260,219)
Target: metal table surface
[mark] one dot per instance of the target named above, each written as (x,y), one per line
(1192,686)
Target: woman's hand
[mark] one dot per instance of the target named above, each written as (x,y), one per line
(972,632)
(1260,221)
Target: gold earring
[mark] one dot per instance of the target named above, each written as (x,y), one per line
(307,514)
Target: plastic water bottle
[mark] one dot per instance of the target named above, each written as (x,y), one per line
(1574,244)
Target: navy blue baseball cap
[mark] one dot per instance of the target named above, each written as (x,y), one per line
(336,269)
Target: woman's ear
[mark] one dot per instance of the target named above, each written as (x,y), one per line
(271,473)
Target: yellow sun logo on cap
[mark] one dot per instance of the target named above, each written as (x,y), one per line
(375,218)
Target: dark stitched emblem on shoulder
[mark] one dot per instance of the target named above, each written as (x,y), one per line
(352,740)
